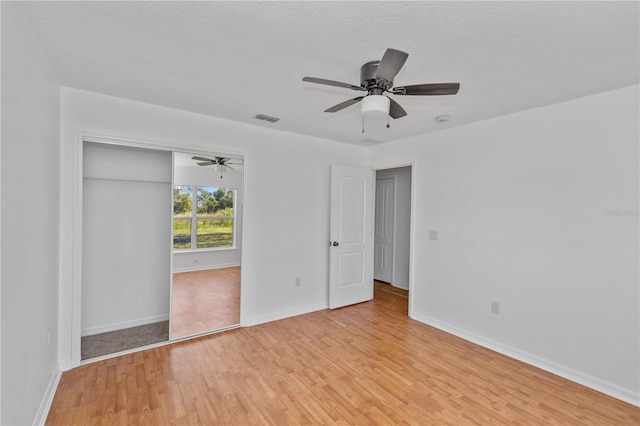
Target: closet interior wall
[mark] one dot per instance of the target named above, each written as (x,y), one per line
(126,237)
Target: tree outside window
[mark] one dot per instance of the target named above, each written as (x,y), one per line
(203,217)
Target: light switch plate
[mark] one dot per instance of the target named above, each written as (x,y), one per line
(433,235)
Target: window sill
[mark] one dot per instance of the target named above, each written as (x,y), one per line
(204,250)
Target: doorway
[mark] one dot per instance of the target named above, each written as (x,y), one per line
(393,228)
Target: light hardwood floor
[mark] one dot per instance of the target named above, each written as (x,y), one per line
(364,364)
(204,300)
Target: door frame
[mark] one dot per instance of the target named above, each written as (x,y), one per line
(412,211)
(80,138)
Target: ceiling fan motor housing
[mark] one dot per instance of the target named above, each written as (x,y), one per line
(368,79)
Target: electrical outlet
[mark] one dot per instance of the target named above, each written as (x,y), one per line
(297,281)
(495,307)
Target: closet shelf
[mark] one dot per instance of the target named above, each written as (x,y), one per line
(99,179)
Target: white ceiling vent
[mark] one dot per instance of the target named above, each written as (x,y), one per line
(268,118)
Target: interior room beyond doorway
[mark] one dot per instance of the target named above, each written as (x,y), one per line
(392,226)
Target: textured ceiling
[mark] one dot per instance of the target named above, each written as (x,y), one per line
(236,59)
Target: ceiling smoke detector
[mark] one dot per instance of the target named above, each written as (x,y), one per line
(442,118)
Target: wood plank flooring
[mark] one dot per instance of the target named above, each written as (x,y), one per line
(204,300)
(364,364)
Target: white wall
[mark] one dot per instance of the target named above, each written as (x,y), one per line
(30,203)
(286,213)
(126,237)
(207,176)
(539,212)
(402,224)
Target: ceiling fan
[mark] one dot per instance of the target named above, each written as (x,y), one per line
(376,78)
(221,163)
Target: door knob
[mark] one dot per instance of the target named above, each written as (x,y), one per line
(335,244)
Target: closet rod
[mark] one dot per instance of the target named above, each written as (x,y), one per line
(157,182)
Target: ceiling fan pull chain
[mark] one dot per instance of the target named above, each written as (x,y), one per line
(388,122)
(363,125)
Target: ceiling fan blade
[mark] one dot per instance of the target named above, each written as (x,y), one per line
(395,110)
(206,163)
(332,83)
(390,64)
(344,104)
(427,89)
(228,166)
(201,159)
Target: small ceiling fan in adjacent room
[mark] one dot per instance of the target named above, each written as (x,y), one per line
(221,163)
(376,78)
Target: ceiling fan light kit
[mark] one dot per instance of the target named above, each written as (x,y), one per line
(375,106)
(376,78)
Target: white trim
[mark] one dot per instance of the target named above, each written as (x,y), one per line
(203,333)
(200,250)
(600,385)
(284,314)
(47,399)
(412,228)
(171,225)
(243,236)
(76,249)
(205,267)
(136,143)
(404,286)
(67,365)
(124,324)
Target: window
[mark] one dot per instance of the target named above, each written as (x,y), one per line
(203,217)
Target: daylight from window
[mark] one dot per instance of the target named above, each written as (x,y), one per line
(202,217)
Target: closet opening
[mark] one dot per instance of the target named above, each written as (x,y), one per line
(161,246)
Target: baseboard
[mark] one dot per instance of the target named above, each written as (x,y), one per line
(205,267)
(284,314)
(603,386)
(47,399)
(67,365)
(404,286)
(124,324)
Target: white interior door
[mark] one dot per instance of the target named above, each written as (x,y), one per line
(385,206)
(351,234)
